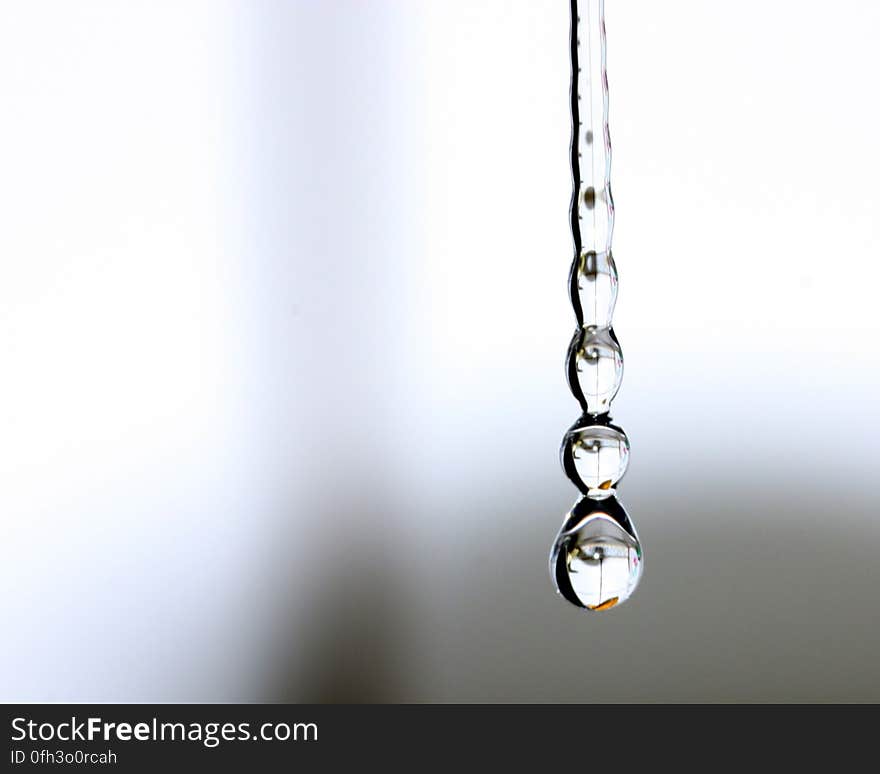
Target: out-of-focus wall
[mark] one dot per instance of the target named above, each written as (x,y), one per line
(282,320)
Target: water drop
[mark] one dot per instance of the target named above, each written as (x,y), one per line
(595,368)
(595,456)
(596,560)
(593,288)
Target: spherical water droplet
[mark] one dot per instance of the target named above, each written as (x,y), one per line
(593,288)
(596,561)
(595,457)
(595,368)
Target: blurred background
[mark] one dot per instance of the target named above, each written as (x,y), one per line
(283,316)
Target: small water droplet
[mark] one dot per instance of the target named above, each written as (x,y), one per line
(593,288)
(595,368)
(596,560)
(595,456)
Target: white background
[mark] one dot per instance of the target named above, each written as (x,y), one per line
(282,322)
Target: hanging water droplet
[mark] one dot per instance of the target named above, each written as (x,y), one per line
(593,288)
(595,368)
(595,457)
(596,560)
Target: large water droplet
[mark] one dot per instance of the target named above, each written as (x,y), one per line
(595,456)
(596,560)
(595,368)
(593,288)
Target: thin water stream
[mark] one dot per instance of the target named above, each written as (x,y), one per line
(596,560)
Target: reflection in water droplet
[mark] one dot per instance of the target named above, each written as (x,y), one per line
(593,288)
(595,368)
(596,560)
(595,457)
(590,198)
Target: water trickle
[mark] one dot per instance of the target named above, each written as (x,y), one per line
(596,561)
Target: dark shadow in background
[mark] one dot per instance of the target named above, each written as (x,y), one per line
(743,599)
